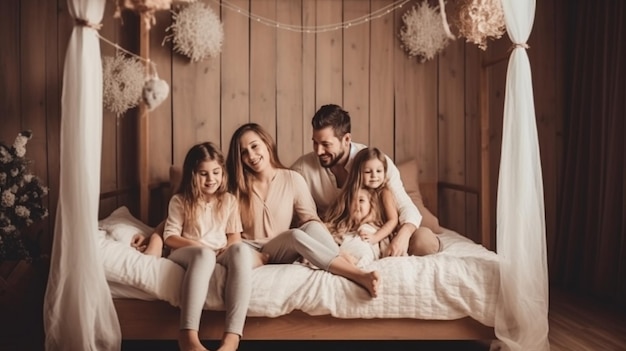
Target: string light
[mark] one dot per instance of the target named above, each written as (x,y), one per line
(147,61)
(314,29)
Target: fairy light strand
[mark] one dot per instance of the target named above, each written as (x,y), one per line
(147,61)
(314,29)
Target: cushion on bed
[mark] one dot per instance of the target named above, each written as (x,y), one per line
(409,173)
(121,226)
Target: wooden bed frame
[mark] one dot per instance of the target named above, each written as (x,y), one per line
(157,320)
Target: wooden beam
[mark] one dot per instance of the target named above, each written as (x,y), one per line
(485,159)
(143,126)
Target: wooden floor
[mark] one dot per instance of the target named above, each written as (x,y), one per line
(576,324)
(582,324)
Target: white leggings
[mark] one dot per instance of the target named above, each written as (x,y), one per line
(311,241)
(199,263)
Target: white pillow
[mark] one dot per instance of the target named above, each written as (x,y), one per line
(120,225)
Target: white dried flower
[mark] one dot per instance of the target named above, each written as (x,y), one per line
(480,20)
(123,79)
(423,34)
(22,211)
(5,155)
(196,32)
(8,198)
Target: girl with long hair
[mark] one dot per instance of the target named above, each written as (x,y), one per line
(365,206)
(203,227)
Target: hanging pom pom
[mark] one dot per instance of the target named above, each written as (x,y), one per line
(123,79)
(480,20)
(155,90)
(196,32)
(423,34)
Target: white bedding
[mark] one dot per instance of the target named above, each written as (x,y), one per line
(462,280)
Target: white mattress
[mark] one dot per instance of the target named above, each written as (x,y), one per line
(460,281)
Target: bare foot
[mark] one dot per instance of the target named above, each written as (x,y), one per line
(230,342)
(155,246)
(370,281)
(188,340)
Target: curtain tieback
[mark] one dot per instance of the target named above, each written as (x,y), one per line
(85,23)
(519,45)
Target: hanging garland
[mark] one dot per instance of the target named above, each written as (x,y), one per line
(480,20)
(196,32)
(423,35)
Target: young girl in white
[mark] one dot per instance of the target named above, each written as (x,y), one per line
(204,227)
(365,208)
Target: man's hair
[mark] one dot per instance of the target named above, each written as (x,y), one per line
(332,116)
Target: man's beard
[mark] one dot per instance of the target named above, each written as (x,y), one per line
(333,160)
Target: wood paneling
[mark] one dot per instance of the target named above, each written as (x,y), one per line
(279,78)
(329,55)
(235,69)
(452,127)
(195,100)
(263,67)
(10,68)
(381,93)
(356,75)
(290,120)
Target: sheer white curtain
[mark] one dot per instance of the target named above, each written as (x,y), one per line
(78,310)
(522,313)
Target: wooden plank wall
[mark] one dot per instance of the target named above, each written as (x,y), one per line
(279,78)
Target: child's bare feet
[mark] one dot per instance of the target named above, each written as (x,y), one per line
(370,281)
(230,342)
(155,246)
(188,340)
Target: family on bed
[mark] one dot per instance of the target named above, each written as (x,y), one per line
(248,210)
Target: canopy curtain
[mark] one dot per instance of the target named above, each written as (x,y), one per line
(522,311)
(78,309)
(590,248)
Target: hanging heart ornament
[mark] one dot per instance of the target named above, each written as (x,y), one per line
(155,90)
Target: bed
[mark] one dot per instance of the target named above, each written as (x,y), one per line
(449,295)
(522,301)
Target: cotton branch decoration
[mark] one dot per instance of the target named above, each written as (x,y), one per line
(124,79)
(196,32)
(423,34)
(480,20)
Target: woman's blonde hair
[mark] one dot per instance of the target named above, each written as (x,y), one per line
(239,180)
(189,188)
(338,217)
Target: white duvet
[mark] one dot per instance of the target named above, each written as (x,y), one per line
(460,281)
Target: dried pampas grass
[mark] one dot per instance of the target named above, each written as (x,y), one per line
(423,34)
(196,32)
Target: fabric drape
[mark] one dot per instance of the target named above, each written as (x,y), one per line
(589,255)
(522,312)
(78,309)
